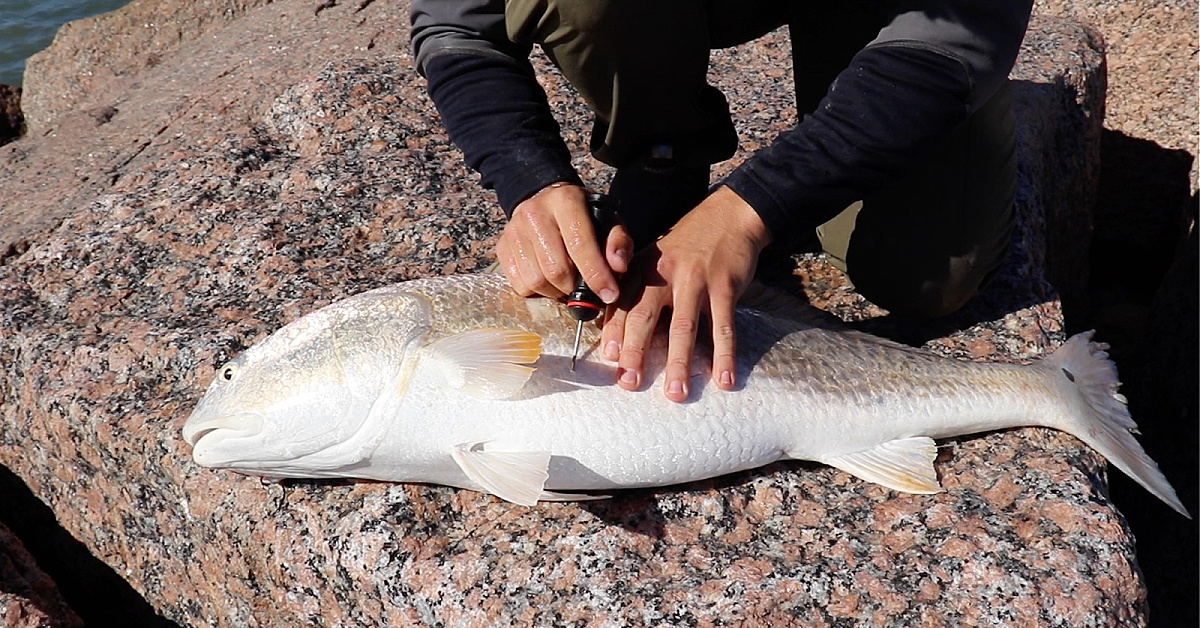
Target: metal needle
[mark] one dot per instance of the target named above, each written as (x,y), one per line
(575,351)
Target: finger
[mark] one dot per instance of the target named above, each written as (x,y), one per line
(612,334)
(640,321)
(721,313)
(681,339)
(526,266)
(509,262)
(556,273)
(619,249)
(582,246)
(532,274)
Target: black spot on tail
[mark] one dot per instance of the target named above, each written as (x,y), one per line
(1069,374)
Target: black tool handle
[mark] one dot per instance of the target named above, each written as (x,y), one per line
(582,303)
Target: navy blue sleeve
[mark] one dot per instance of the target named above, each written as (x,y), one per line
(878,117)
(497,114)
(934,64)
(490,101)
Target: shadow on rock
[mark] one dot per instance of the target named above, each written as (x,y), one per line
(1161,376)
(1142,299)
(91,588)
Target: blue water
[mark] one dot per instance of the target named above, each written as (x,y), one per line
(27,26)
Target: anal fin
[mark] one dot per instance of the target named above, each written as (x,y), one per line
(904,464)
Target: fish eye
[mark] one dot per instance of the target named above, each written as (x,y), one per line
(227,372)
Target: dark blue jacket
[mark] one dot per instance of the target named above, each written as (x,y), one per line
(928,69)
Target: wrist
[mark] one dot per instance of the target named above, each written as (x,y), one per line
(741,217)
(553,193)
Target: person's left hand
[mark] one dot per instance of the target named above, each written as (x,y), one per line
(700,267)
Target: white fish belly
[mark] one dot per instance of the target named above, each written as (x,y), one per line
(598,435)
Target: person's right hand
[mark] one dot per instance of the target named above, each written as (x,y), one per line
(550,235)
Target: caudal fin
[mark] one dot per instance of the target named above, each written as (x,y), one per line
(1105,424)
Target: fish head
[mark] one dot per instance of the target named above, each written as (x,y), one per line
(306,400)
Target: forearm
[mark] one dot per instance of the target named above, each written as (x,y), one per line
(927,71)
(490,102)
(865,134)
(498,116)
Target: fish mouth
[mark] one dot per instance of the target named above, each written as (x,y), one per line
(225,426)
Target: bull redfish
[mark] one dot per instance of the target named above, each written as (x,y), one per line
(459,381)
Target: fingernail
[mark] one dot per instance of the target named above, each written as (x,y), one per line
(675,389)
(726,378)
(608,295)
(629,376)
(612,350)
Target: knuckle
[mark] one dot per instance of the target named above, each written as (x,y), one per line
(556,273)
(524,216)
(678,364)
(640,317)
(631,355)
(682,325)
(576,238)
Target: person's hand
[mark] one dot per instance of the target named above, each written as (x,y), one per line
(700,267)
(550,235)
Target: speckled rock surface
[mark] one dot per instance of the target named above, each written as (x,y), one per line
(106,53)
(284,174)
(28,597)
(1152,54)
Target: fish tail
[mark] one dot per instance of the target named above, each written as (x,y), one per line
(1104,422)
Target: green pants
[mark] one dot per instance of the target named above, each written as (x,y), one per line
(922,247)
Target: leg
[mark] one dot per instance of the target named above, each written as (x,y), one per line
(641,67)
(825,36)
(924,247)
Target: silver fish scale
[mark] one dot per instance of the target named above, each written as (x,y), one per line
(813,362)
(794,371)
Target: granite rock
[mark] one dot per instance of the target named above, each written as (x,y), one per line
(301,162)
(106,52)
(1151,49)
(1067,139)
(28,597)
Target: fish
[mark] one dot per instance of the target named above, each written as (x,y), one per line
(459,381)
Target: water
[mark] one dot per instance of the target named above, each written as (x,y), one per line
(27,26)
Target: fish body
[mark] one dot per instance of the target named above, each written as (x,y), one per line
(459,381)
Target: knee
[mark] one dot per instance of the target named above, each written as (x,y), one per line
(911,292)
(548,22)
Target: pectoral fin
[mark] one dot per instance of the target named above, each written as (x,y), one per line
(905,464)
(487,363)
(515,476)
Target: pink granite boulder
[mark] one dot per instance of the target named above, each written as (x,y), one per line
(301,162)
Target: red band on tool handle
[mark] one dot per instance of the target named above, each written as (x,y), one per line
(590,306)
